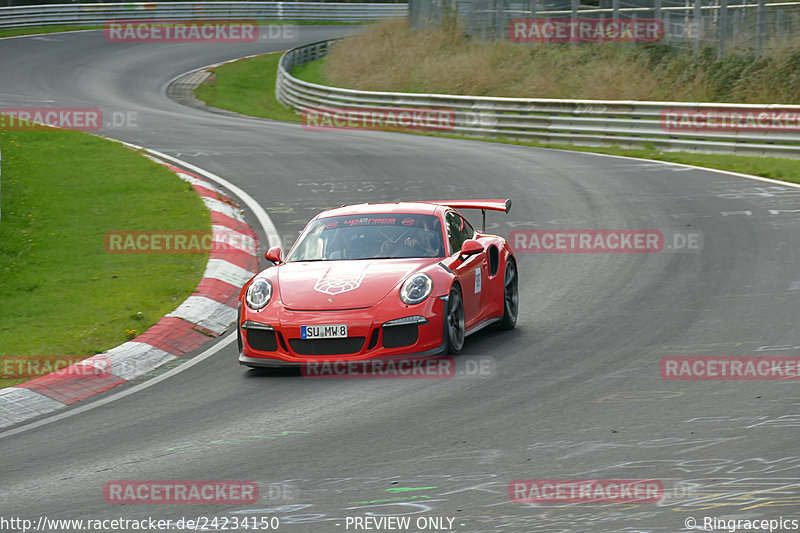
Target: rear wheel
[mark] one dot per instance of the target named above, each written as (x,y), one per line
(510,296)
(454,322)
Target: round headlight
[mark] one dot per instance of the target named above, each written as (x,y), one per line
(416,289)
(258,294)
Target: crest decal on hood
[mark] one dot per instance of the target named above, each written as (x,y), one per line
(338,280)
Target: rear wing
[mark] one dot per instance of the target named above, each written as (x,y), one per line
(483,205)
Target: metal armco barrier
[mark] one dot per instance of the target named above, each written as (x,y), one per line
(97,14)
(661,125)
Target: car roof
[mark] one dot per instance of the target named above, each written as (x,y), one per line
(416,208)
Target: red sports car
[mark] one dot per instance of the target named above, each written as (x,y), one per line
(373,280)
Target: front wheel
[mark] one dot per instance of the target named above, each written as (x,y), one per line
(454,322)
(510,296)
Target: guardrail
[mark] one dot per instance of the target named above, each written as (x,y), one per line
(98,14)
(587,122)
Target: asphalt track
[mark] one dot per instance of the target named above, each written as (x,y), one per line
(575,390)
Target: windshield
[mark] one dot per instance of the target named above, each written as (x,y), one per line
(377,236)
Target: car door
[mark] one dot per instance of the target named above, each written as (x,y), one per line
(472,271)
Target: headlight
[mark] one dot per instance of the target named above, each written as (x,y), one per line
(416,289)
(258,294)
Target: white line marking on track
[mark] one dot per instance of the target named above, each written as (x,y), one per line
(728,172)
(273,238)
(127,392)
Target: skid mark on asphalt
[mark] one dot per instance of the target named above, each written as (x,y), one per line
(247,439)
(640,396)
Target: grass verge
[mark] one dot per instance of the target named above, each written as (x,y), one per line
(15,32)
(246,86)
(61,292)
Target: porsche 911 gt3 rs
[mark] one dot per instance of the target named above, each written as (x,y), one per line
(374,280)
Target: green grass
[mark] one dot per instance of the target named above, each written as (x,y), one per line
(14,32)
(248,87)
(313,72)
(61,292)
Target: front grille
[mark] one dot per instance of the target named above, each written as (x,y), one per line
(343,346)
(399,336)
(262,340)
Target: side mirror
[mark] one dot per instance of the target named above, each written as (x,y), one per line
(273,255)
(470,248)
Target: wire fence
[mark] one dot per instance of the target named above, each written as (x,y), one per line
(688,24)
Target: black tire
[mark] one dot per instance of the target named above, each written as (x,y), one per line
(454,328)
(510,296)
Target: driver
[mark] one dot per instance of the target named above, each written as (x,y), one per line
(421,243)
(418,242)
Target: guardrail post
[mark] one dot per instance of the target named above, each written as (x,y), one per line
(657,9)
(413,14)
(698,25)
(576,4)
(469,24)
(760,23)
(723,26)
(501,23)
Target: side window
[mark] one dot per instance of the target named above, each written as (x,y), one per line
(469,231)
(458,230)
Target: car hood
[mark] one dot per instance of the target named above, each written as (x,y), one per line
(328,285)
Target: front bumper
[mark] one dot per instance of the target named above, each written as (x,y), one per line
(271,337)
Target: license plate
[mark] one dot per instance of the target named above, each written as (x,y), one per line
(325,331)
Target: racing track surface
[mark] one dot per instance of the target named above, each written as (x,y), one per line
(576,391)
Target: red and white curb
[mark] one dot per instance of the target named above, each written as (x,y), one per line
(206,314)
